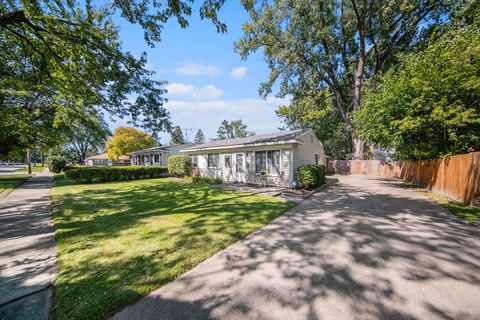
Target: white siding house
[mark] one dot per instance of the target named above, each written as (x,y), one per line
(101,160)
(157,156)
(270,159)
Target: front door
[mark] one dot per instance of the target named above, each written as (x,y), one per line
(240,168)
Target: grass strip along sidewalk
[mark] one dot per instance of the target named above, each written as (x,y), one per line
(9,182)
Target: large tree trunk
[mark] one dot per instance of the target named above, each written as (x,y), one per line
(357,142)
(358,146)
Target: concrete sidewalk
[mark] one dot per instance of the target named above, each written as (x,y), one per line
(362,248)
(27,250)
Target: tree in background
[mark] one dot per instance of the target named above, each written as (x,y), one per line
(428,106)
(60,57)
(86,135)
(232,129)
(126,140)
(311,46)
(199,137)
(318,111)
(177,136)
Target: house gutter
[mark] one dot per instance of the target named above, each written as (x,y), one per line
(242,146)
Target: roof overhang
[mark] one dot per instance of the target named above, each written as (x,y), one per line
(243,146)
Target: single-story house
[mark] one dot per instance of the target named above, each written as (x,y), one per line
(157,156)
(269,159)
(103,160)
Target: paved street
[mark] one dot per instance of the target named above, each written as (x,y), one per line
(362,248)
(27,250)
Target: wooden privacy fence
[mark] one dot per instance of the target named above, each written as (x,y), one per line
(455,177)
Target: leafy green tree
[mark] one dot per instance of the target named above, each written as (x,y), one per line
(126,140)
(232,129)
(177,136)
(86,135)
(199,137)
(317,111)
(428,106)
(335,45)
(61,56)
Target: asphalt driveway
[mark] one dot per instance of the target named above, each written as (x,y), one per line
(361,248)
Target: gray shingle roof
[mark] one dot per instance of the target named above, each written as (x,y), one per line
(271,138)
(154,149)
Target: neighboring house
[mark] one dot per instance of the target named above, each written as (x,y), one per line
(103,160)
(157,156)
(270,159)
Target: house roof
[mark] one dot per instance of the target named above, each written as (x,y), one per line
(262,139)
(161,148)
(103,156)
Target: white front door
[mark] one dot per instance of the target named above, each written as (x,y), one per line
(240,167)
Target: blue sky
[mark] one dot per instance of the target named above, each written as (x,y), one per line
(207,80)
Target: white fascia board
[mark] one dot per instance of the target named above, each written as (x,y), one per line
(243,146)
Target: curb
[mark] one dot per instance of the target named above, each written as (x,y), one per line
(308,194)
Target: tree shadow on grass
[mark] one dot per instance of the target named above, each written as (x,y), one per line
(352,251)
(168,227)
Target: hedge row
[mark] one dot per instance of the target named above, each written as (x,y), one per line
(101,174)
(311,176)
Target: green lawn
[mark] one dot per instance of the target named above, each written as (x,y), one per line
(464,211)
(34,169)
(119,241)
(8,182)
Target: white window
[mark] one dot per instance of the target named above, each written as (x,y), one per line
(273,162)
(268,161)
(260,162)
(213,160)
(195,161)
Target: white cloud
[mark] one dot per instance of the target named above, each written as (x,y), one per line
(197,69)
(179,89)
(238,73)
(258,114)
(187,91)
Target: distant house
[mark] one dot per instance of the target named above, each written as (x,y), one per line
(270,159)
(157,156)
(103,160)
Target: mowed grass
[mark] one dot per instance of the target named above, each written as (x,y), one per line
(469,213)
(34,169)
(119,241)
(8,182)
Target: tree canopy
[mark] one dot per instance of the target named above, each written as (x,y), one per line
(335,45)
(65,57)
(199,137)
(86,135)
(126,140)
(317,111)
(428,105)
(177,136)
(232,129)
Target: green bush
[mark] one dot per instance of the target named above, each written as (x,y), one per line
(56,163)
(180,166)
(102,174)
(207,180)
(310,176)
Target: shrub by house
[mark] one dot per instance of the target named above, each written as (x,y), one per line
(311,176)
(180,166)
